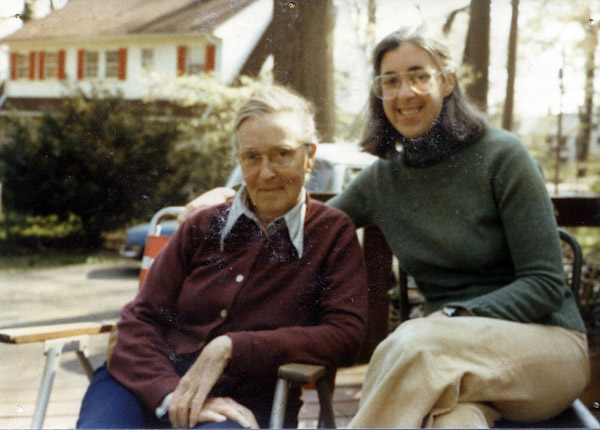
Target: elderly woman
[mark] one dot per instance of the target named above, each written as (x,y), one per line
(269,278)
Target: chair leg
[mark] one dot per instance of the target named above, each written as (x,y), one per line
(84,361)
(53,349)
(279,404)
(52,358)
(326,416)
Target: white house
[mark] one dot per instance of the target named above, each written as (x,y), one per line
(116,43)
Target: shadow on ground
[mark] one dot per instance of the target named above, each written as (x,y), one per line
(115,273)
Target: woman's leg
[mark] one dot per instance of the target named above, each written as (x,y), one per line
(109,405)
(428,366)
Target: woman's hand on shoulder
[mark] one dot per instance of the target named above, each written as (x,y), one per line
(192,391)
(212,197)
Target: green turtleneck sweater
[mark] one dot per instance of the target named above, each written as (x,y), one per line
(473,225)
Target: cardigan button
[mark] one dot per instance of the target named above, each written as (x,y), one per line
(223,313)
(239,278)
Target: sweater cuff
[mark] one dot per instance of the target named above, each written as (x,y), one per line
(241,353)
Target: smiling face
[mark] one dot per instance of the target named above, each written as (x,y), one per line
(413,114)
(274,162)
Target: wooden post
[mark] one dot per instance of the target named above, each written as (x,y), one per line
(378,258)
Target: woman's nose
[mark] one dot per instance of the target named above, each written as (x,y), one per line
(266,169)
(404,89)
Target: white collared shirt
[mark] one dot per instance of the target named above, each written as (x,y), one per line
(293,219)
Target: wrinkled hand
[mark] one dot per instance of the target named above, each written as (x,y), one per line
(190,395)
(219,409)
(212,197)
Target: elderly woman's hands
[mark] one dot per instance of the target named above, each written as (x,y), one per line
(189,404)
(212,197)
(218,409)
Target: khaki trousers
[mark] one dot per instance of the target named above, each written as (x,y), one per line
(466,372)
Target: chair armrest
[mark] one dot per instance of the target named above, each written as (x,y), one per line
(301,373)
(55,331)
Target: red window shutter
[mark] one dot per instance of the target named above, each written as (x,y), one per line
(80,60)
(61,65)
(41,60)
(31,66)
(13,66)
(209,64)
(181,60)
(122,73)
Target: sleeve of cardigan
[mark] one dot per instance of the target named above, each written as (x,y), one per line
(140,360)
(529,225)
(337,338)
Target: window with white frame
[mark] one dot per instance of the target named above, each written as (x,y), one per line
(51,65)
(196,60)
(112,64)
(91,63)
(22,66)
(147,59)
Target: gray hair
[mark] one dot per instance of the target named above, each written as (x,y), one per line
(459,120)
(277,99)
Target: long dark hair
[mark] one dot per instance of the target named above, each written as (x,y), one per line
(459,120)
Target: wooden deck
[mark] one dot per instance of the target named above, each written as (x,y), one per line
(22,367)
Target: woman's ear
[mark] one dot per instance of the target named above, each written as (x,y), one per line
(310,157)
(449,84)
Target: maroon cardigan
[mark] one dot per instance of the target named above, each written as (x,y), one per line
(276,307)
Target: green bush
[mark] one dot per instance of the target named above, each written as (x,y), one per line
(98,158)
(24,235)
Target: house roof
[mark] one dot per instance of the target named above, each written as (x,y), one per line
(94,18)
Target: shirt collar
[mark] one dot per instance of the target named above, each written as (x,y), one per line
(293,219)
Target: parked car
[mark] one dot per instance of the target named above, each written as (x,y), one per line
(135,237)
(335,166)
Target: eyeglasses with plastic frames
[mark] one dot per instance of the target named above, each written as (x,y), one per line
(278,157)
(420,81)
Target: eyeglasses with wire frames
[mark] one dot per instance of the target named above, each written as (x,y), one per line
(280,156)
(420,81)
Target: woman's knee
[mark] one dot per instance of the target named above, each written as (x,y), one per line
(424,333)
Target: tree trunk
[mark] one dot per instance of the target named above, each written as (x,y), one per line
(477,52)
(582,143)
(511,66)
(300,37)
(303,55)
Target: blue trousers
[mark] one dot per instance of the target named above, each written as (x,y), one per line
(109,405)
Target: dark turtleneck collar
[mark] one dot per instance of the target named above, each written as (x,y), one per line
(429,149)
